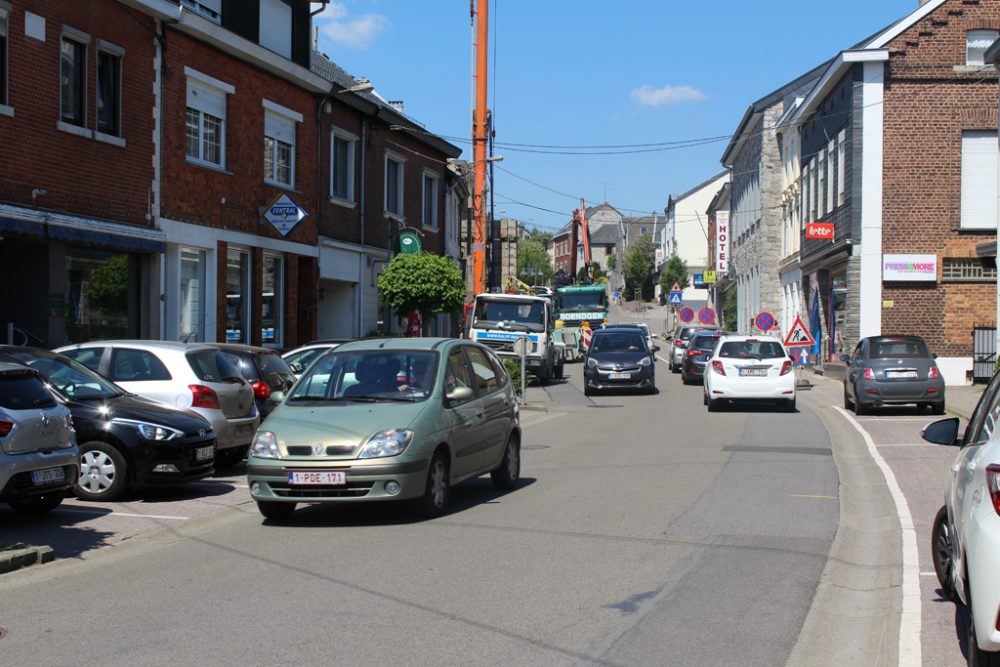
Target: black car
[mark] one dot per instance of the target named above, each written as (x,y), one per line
(696,355)
(126,441)
(619,358)
(265,370)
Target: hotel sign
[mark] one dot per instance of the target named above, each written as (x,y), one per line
(722,241)
(909,268)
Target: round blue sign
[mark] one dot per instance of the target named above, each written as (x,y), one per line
(706,315)
(764,321)
(686,315)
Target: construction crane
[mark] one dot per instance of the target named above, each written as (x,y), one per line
(516,286)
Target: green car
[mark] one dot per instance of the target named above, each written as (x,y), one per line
(388,419)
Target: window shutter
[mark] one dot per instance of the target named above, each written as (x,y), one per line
(206,100)
(979,180)
(279,128)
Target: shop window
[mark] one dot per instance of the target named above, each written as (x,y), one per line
(101,295)
(272,304)
(238,296)
(192,315)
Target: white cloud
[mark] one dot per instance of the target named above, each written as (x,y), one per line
(353,32)
(648,96)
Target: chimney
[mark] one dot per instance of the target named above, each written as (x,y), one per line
(397,105)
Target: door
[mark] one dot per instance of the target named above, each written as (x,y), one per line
(496,406)
(465,418)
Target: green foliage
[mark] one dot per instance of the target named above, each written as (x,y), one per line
(591,274)
(639,265)
(533,264)
(676,269)
(109,291)
(514,371)
(729,309)
(540,236)
(423,282)
(612,261)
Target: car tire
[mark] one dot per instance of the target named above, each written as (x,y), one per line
(228,458)
(507,474)
(704,398)
(560,370)
(275,511)
(859,407)
(587,391)
(103,472)
(434,502)
(848,403)
(37,505)
(674,368)
(937,408)
(941,553)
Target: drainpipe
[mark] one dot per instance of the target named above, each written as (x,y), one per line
(362,281)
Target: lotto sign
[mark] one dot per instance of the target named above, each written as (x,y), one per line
(706,315)
(820,230)
(799,336)
(283,214)
(686,315)
(764,321)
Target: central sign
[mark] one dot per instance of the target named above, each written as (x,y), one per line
(283,214)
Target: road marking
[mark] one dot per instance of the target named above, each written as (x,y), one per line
(666,361)
(540,420)
(806,495)
(909,622)
(84,510)
(928,574)
(906,444)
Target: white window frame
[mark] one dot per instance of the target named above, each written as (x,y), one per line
(435,177)
(209,96)
(5,107)
(82,39)
(821,184)
(280,127)
(118,53)
(392,156)
(351,140)
(976,44)
(979,191)
(841,167)
(209,9)
(831,170)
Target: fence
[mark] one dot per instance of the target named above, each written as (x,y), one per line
(984,353)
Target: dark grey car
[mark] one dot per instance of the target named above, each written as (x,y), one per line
(619,358)
(892,370)
(679,344)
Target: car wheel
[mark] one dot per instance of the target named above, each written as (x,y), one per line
(675,368)
(704,398)
(941,552)
(859,407)
(103,472)
(508,472)
(790,405)
(937,408)
(36,505)
(848,404)
(435,499)
(275,510)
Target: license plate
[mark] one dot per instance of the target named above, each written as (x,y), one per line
(901,374)
(322,477)
(753,372)
(47,476)
(619,376)
(202,453)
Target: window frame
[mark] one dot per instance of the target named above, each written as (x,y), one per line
(841,167)
(5,108)
(400,161)
(281,120)
(969,50)
(212,89)
(118,55)
(982,193)
(821,184)
(435,179)
(351,140)
(80,40)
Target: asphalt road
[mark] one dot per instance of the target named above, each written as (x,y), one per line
(645,532)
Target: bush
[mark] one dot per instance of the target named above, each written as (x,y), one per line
(514,371)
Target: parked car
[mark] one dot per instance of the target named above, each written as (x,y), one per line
(641,326)
(892,370)
(126,441)
(749,368)
(619,358)
(298,360)
(186,375)
(268,374)
(679,342)
(696,356)
(386,419)
(966,531)
(38,452)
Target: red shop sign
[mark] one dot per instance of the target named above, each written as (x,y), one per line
(819,230)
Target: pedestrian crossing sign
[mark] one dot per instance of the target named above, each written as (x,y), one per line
(675,299)
(798,335)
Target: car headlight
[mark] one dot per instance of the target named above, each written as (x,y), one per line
(149,431)
(265,446)
(591,363)
(645,361)
(387,443)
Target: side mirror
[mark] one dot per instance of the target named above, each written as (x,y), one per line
(459,394)
(941,432)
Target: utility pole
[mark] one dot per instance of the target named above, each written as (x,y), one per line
(479,138)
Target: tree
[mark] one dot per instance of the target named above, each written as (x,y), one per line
(639,264)
(422,282)
(675,270)
(541,236)
(729,309)
(612,262)
(533,264)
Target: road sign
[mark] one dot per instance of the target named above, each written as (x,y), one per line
(686,315)
(764,321)
(798,335)
(588,334)
(283,214)
(675,298)
(709,277)
(676,287)
(698,280)
(521,346)
(706,315)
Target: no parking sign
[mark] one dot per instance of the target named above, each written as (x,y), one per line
(764,321)
(706,315)
(686,314)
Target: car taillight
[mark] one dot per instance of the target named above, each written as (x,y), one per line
(203,397)
(869,374)
(679,343)
(694,353)
(261,389)
(993,484)
(5,428)
(786,368)
(718,367)
(934,374)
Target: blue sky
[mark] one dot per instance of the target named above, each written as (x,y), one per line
(585,73)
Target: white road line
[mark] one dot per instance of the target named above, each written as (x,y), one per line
(909,622)
(928,574)
(540,420)
(666,361)
(83,510)
(907,444)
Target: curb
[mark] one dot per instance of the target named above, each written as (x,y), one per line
(15,559)
(532,407)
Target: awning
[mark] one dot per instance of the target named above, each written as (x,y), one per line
(85,231)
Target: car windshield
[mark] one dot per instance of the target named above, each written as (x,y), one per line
(624,341)
(369,376)
(752,349)
(899,348)
(596,302)
(67,377)
(511,314)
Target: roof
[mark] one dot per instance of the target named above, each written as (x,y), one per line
(673,200)
(721,197)
(608,234)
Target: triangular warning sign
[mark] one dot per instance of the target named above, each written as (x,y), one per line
(798,335)
(676,287)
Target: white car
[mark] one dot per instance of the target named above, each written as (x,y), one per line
(749,368)
(300,358)
(966,533)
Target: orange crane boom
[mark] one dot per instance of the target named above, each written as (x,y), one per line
(479,137)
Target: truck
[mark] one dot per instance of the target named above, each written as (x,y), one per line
(579,304)
(498,320)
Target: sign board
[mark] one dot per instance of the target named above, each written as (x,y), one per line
(709,277)
(820,230)
(676,287)
(798,335)
(764,321)
(283,214)
(909,268)
(521,346)
(686,315)
(722,241)
(675,298)
(706,315)
(698,280)
(409,243)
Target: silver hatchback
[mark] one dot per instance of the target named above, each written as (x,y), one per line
(186,375)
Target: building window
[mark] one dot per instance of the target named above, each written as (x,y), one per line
(805,191)
(109,73)
(276,27)
(430,208)
(841,161)
(210,9)
(967,269)
(813,187)
(238,296)
(821,185)
(976,43)
(279,149)
(72,82)
(271,307)
(342,145)
(4,14)
(394,184)
(206,118)
(192,301)
(979,180)
(831,171)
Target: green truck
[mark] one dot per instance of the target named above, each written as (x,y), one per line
(585,303)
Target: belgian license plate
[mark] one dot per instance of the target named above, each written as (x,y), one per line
(619,376)
(202,453)
(901,374)
(318,478)
(753,372)
(47,476)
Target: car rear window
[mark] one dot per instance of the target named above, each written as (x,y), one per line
(704,342)
(244,361)
(272,363)
(212,366)
(23,391)
(896,348)
(752,349)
